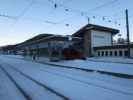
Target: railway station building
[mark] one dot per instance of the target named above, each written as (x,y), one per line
(91,40)
(98,41)
(46,45)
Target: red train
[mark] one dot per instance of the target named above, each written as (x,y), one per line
(71,53)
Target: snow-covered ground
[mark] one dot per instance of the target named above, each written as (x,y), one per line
(107,64)
(74,84)
(102,66)
(115,65)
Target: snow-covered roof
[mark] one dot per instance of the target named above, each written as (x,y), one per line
(47,37)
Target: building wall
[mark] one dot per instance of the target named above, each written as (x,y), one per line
(44,48)
(87,44)
(100,38)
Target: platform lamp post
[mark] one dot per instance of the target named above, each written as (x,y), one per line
(127,29)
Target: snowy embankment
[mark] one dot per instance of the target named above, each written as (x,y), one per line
(106,64)
(73,85)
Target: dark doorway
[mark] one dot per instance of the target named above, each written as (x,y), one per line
(126,53)
(115,53)
(120,53)
(111,53)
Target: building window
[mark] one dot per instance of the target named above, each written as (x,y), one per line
(120,53)
(102,53)
(126,53)
(111,53)
(106,53)
(98,53)
(115,53)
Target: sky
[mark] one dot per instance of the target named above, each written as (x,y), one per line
(23,19)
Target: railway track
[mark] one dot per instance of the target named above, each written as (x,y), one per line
(63,70)
(121,75)
(85,82)
(72,78)
(27,97)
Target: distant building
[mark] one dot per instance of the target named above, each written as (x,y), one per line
(8,49)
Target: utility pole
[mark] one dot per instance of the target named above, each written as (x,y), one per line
(127,28)
(88,20)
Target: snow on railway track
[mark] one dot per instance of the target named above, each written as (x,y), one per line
(69,85)
(90,80)
(88,69)
(27,97)
(35,90)
(9,89)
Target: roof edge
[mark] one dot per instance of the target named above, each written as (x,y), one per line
(96,27)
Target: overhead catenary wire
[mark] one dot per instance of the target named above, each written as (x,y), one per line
(83,13)
(68,9)
(66,1)
(76,11)
(8,16)
(51,22)
(25,9)
(103,5)
(65,22)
